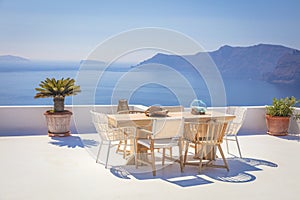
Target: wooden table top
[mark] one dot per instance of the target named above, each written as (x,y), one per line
(140,119)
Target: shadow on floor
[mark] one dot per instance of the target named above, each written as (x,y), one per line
(239,172)
(73,142)
(295,137)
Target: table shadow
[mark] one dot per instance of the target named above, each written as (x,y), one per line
(240,169)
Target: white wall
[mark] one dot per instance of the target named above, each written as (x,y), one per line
(254,121)
(29,120)
(19,120)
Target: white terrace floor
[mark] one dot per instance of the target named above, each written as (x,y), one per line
(40,167)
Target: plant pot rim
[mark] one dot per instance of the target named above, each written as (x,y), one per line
(51,112)
(281,117)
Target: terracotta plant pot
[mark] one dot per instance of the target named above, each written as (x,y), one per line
(58,123)
(277,126)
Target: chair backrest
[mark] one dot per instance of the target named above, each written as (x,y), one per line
(191,129)
(210,132)
(123,105)
(105,132)
(99,117)
(215,132)
(173,108)
(167,128)
(239,112)
(235,125)
(100,122)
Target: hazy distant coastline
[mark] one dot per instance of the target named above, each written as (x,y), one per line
(272,63)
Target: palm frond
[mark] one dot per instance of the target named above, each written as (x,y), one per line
(53,88)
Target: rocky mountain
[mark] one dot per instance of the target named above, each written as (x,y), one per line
(174,61)
(248,62)
(287,69)
(262,61)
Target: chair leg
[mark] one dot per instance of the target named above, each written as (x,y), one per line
(163,156)
(238,145)
(125,147)
(153,162)
(223,157)
(227,146)
(170,152)
(185,152)
(180,155)
(196,148)
(135,153)
(98,154)
(108,150)
(119,146)
(201,158)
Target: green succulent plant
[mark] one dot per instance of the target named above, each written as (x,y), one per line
(58,90)
(283,107)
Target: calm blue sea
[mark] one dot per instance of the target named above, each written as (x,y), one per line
(18,88)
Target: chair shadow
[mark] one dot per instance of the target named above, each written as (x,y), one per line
(295,137)
(239,170)
(73,142)
(170,173)
(239,173)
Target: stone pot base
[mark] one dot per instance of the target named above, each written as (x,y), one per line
(277,134)
(59,134)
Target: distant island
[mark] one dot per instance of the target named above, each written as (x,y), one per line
(272,63)
(91,62)
(10,58)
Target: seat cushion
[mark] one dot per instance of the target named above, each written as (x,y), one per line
(159,143)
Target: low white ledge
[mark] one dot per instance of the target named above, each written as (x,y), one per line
(29,120)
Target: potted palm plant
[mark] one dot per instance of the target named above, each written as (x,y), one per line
(278,115)
(58,119)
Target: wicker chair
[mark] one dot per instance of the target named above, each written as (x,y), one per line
(109,135)
(172,109)
(234,126)
(123,108)
(124,142)
(165,133)
(207,136)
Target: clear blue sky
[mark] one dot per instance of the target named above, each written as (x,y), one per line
(70,30)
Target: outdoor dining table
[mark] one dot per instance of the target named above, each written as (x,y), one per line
(140,120)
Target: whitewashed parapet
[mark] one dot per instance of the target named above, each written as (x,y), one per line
(29,120)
